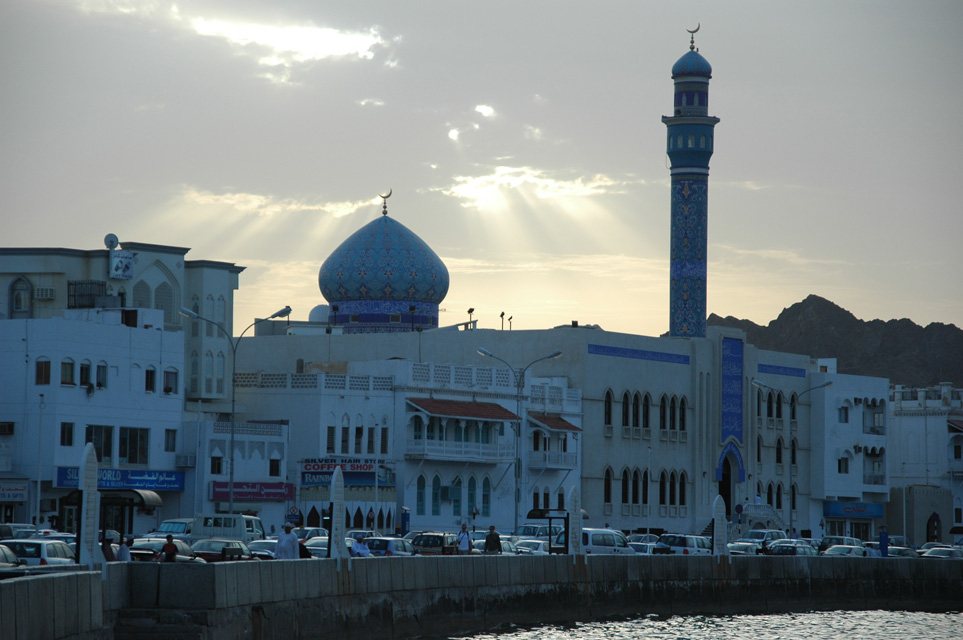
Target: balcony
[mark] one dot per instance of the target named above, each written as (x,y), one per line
(874,478)
(452,451)
(552,460)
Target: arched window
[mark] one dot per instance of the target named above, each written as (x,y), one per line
(672,488)
(607,417)
(682,482)
(770,405)
(792,406)
(208,372)
(691,140)
(164,300)
(645,487)
(646,405)
(486,498)
(436,496)
(21,298)
(779,497)
(195,323)
(663,488)
(759,449)
(420,496)
(545,499)
(209,314)
(770,497)
(779,405)
(220,311)
(625,409)
(663,413)
(195,371)
(779,451)
(636,402)
(758,403)
(682,410)
(141,295)
(219,372)
(625,486)
(672,414)
(792,451)
(607,487)
(702,138)
(560,500)
(535,498)
(636,485)
(471,496)
(455,494)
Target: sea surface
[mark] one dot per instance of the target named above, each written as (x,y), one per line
(829,625)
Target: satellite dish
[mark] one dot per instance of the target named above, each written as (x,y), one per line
(110,240)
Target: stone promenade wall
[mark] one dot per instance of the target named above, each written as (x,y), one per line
(388,598)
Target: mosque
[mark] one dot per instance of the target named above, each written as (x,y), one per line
(432,426)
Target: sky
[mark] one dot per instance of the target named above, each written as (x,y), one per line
(522,141)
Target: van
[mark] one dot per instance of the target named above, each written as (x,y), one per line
(600,541)
(179,528)
(226,526)
(538,531)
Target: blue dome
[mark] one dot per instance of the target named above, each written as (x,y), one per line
(383,260)
(692,64)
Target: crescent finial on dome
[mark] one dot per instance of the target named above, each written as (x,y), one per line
(384,202)
(692,33)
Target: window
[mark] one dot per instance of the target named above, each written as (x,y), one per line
(486,498)
(682,410)
(371,440)
(683,480)
(170,381)
(471,496)
(625,486)
(20,302)
(102,437)
(67,372)
(625,409)
(436,496)
(274,468)
(663,411)
(672,414)
(217,465)
(384,440)
(843,415)
(208,371)
(645,487)
(455,494)
(170,440)
(133,445)
(6,428)
(663,486)
(770,405)
(607,487)
(672,488)
(345,439)
(331,440)
(957,452)
(43,372)
(150,380)
(779,451)
(842,466)
(636,480)
(645,412)
(420,497)
(219,372)
(607,418)
(560,503)
(759,449)
(635,411)
(792,452)
(195,372)
(779,405)
(102,375)
(358,438)
(85,373)
(196,308)
(83,294)
(66,434)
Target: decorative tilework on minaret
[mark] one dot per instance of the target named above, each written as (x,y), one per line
(689,145)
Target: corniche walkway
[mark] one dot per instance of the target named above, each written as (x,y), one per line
(398,598)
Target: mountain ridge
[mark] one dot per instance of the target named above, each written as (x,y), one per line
(900,350)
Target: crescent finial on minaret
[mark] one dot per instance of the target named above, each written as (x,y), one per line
(384,202)
(692,33)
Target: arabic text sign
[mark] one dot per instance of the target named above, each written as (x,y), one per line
(253,491)
(13,490)
(125,479)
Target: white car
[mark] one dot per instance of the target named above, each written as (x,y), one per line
(845,550)
(536,547)
(39,552)
(600,541)
(681,544)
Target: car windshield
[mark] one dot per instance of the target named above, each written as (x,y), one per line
(377,544)
(211,545)
(263,544)
(172,527)
(153,545)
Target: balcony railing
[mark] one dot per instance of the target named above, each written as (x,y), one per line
(459,451)
(874,478)
(552,460)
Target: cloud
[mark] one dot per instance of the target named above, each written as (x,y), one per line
(485,110)
(788,256)
(261,205)
(608,266)
(372,102)
(488,191)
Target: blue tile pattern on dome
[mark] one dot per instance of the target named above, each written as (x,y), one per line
(692,64)
(687,261)
(382,261)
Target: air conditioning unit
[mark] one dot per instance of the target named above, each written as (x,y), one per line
(185,461)
(43,293)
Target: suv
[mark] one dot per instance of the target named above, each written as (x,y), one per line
(763,538)
(430,543)
(685,545)
(536,531)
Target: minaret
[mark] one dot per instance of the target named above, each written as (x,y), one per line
(689,145)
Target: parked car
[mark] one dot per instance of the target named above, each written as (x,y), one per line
(902,552)
(318,547)
(845,550)
(9,560)
(763,537)
(385,547)
(508,547)
(306,533)
(686,545)
(600,541)
(535,547)
(180,528)
(743,548)
(537,531)
(220,550)
(943,553)
(149,550)
(642,537)
(792,548)
(829,541)
(645,548)
(263,549)
(16,530)
(361,534)
(41,552)
(435,543)
(926,546)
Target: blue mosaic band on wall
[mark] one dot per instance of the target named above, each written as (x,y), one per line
(638,354)
(733,450)
(781,371)
(732,396)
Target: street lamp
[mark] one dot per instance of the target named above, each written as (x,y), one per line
(519,384)
(188,313)
(779,393)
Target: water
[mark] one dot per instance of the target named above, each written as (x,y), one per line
(830,625)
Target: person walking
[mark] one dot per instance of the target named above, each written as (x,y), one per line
(493,541)
(464,541)
(287,546)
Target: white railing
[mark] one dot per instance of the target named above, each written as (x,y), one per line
(466,451)
(552,460)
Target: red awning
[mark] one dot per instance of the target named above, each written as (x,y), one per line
(552,422)
(956,424)
(460,409)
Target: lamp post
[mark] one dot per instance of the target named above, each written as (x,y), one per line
(519,384)
(188,313)
(778,392)
(39,457)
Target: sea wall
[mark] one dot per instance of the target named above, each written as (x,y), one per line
(389,598)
